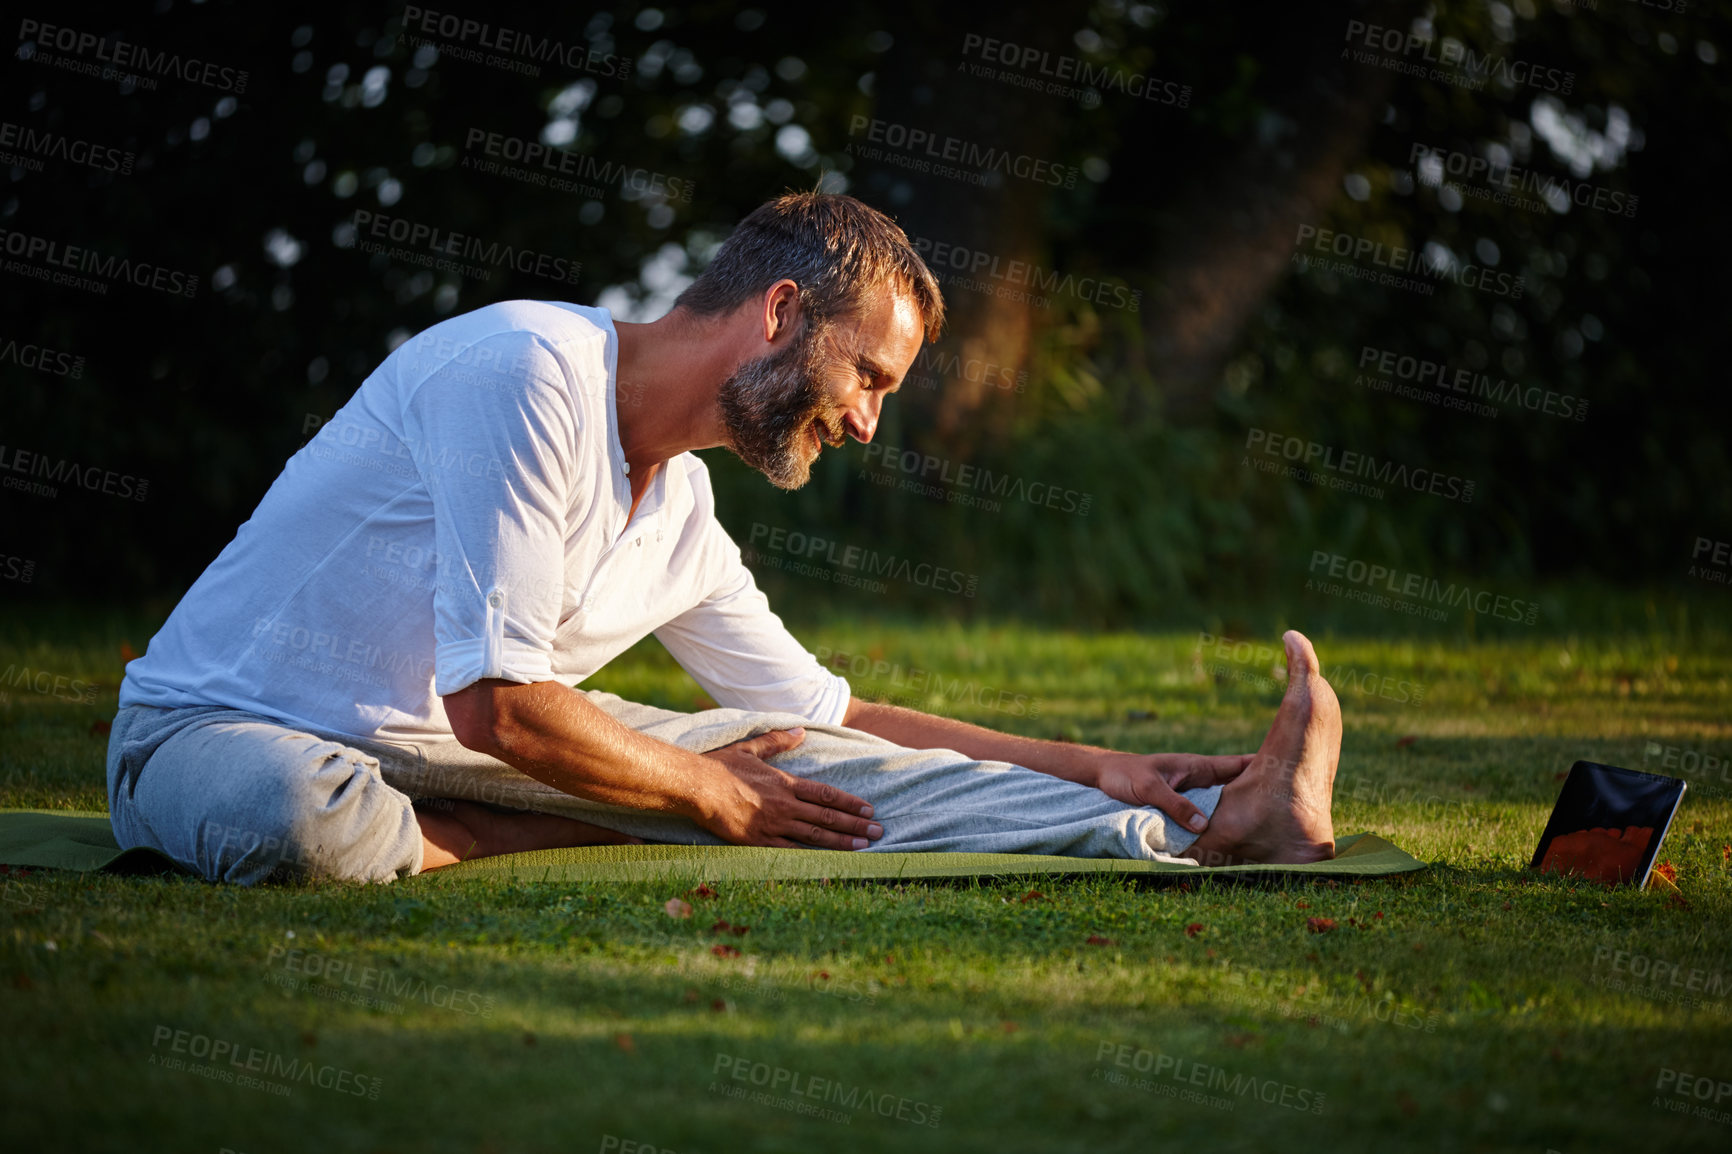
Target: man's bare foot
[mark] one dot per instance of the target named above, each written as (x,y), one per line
(454,831)
(1277,810)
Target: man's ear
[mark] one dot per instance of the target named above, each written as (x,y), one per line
(781,312)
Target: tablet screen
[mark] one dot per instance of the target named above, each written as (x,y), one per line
(1608,823)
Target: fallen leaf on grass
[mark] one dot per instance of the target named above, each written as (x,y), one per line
(723,928)
(719,1006)
(1193,929)
(1319,925)
(702,891)
(126,653)
(624,1042)
(722,951)
(1097,940)
(1009,1027)
(1032,896)
(1668,871)
(1301,905)
(1404,742)
(675,908)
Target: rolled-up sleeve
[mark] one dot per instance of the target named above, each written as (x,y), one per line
(497,450)
(742,654)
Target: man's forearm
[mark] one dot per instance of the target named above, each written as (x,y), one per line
(560,738)
(916,730)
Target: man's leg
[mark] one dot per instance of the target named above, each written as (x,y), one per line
(1277,810)
(239,797)
(927,800)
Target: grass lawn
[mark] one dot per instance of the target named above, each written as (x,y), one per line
(1474,1006)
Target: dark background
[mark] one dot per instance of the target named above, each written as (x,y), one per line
(1146,411)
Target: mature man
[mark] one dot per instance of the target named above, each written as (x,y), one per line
(376,676)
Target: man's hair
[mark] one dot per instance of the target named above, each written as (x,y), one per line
(840,252)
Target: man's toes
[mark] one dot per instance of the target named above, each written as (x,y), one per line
(1301,655)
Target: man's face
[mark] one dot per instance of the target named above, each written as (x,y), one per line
(782,408)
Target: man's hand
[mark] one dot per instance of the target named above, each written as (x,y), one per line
(766,806)
(1156,778)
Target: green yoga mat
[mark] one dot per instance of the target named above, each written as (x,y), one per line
(58,839)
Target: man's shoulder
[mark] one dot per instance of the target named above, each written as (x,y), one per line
(517,337)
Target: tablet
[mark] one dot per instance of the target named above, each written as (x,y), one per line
(1608,823)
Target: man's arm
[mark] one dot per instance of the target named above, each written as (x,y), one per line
(558,737)
(1134,778)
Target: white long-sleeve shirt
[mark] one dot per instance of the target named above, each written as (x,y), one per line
(464,516)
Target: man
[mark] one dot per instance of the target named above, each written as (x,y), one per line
(375,677)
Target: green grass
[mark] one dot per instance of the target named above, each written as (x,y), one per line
(1471,1007)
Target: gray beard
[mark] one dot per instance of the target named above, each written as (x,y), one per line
(768,406)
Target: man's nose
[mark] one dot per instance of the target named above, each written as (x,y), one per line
(862,419)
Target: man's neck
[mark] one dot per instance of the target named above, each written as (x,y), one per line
(670,371)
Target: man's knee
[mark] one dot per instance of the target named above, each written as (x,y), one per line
(301,818)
